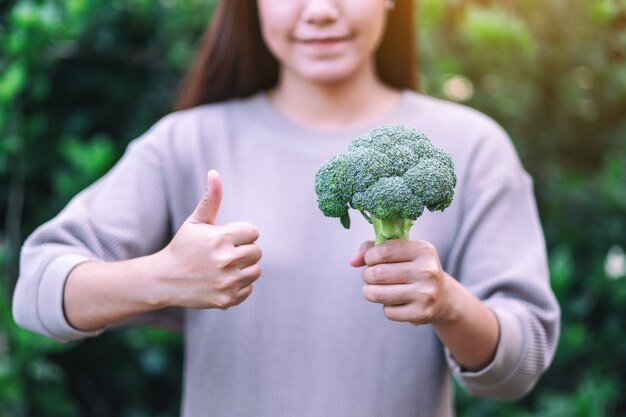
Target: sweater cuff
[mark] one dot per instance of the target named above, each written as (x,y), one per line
(503,366)
(50,299)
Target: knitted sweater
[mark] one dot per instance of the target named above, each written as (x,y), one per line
(306,343)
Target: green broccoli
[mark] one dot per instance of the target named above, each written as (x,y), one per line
(389,175)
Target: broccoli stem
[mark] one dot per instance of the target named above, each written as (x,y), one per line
(394,228)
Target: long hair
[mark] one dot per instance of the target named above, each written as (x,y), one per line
(233,60)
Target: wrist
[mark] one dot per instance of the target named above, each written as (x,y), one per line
(454,301)
(153,279)
(468,328)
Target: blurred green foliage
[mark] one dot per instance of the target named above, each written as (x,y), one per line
(79,79)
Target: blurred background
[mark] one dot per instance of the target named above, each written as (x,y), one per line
(79,79)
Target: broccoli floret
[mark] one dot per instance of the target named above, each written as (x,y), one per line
(389,175)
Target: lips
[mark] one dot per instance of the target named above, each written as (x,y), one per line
(322,40)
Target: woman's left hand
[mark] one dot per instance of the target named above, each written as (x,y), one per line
(406,277)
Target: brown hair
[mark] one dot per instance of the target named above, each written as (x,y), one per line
(233,61)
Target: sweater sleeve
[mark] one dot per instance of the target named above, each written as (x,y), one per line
(121,216)
(499,254)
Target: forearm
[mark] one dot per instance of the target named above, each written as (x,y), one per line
(470,330)
(98,294)
(204,266)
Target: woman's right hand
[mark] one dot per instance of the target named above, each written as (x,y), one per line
(206,265)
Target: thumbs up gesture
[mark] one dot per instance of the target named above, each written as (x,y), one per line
(207,265)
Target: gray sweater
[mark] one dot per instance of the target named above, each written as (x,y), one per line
(306,343)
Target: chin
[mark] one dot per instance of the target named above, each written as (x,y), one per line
(328,73)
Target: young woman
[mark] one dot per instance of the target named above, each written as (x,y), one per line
(333,327)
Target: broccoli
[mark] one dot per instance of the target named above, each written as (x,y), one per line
(389,175)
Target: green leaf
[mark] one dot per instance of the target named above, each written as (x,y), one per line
(12,81)
(345,220)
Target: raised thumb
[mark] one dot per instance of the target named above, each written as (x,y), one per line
(207,208)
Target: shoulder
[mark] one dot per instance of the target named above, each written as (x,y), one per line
(447,110)
(481,148)
(197,129)
(196,119)
(460,125)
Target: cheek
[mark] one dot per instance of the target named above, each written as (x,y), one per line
(369,21)
(275,18)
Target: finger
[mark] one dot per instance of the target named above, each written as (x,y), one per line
(388,294)
(242,294)
(248,275)
(401,313)
(246,255)
(397,250)
(395,273)
(240,233)
(207,208)
(357,259)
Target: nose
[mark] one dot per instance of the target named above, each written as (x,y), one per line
(320,12)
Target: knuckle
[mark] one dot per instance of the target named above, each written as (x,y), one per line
(254,231)
(224,284)
(257,253)
(426,250)
(428,315)
(378,275)
(427,246)
(386,252)
(206,199)
(243,295)
(248,291)
(224,301)
(225,261)
(221,286)
(430,297)
(390,313)
(246,225)
(220,238)
(221,263)
(379,293)
(430,274)
(255,271)
(374,275)
(248,229)
(429,292)
(424,316)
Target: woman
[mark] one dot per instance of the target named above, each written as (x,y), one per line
(277,89)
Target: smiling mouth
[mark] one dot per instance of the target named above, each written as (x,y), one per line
(324,41)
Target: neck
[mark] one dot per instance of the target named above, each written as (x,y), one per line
(359,100)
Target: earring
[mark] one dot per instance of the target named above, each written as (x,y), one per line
(390,4)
